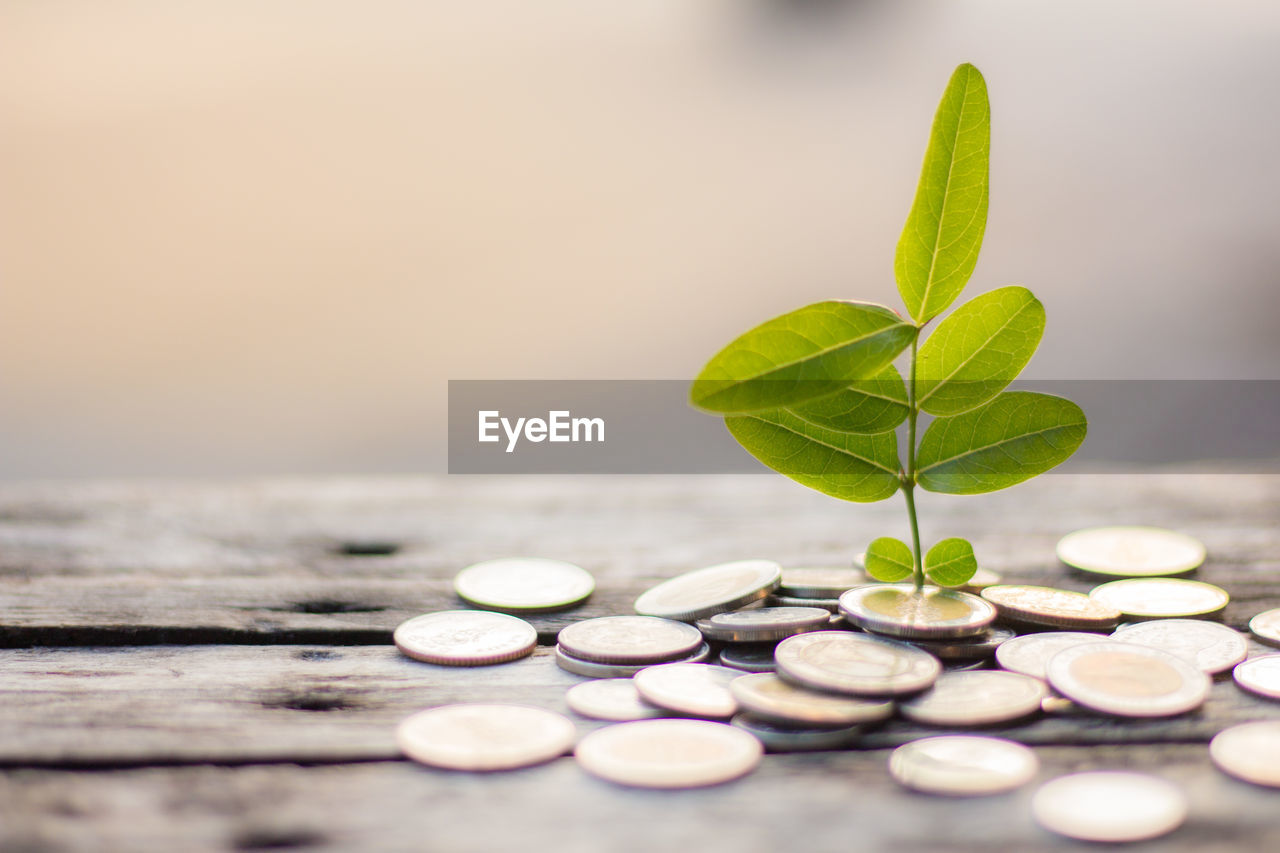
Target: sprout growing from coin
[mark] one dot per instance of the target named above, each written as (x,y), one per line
(814,394)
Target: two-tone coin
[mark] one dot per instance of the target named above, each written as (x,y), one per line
(1211,646)
(977,698)
(1249,751)
(695,689)
(1054,608)
(767,697)
(902,611)
(1131,551)
(1029,654)
(629,639)
(857,664)
(1109,806)
(1266,626)
(963,765)
(706,592)
(484,737)
(763,624)
(465,638)
(524,585)
(613,699)
(819,582)
(749,657)
(1260,676)
(593,669)
(781,737)
(1161,598)
(1128,680)
(669,753)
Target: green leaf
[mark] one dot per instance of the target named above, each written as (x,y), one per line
(940,242)
(867,406)
(889,560)
(844,465)
(809,353)
(1013,438)
(978,350)
(950,562)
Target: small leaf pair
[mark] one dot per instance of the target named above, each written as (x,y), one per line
(949,563)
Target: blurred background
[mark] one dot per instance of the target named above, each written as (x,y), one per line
(259,237)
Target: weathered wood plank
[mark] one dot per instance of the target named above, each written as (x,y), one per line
(236,704)
(829,801)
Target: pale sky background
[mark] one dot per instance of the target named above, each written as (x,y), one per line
(259,237)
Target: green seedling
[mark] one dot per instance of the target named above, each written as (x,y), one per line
(814,394)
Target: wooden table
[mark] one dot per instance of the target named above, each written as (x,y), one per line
(208,666)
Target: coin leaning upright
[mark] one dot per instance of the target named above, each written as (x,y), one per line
(524,584)
(465,638)
(1128,680)
(484,737)
(669,753)
(857,664)
(706,592)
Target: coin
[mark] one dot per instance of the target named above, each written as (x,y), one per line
(1249,751)
(484,737)
(980,647)
(629,639)
(1210,646)
(1266,626)
(899,610)
(1109,806)
(749,657)
(858,664)
(1057,608)
(1130,551)
(778,737)
(763,624)
(524,584)
(767,697)
(831,605)
(981,579)
(669,753)
(706,592)
(610,699)
(592,669)
(1127,680)
(963,765)
(1161,598)
(1260,676)
(465,638)
(1029,654)
(979,698)
(819,582)
(696,689)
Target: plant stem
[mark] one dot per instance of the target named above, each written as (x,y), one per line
(909,483)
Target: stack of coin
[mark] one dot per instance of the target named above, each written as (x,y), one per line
(903,612)
(715,589)
(749,657)
(619,646)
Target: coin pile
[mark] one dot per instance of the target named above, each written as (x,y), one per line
(810,658)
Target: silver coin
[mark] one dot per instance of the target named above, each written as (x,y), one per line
(767,697)
(963,765)
(1249,751)
(1029,654)
(763,624)
(613,699)
(1161,598)
(783,738)
(1266,626)
(629,639)
(1131,551)
(1128,680)
(1054,608)
(1109,806)
(964,665)
(592,669)
(981,579)
(899,610)
(831,605)
(465,638)
(706,592)
(669,753)
(979,698)
(484,737)
(857,664)
(524,584)
(749,657)
(819,582)
(1260,676)
(695,689)
(980,647)
(1210,646)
